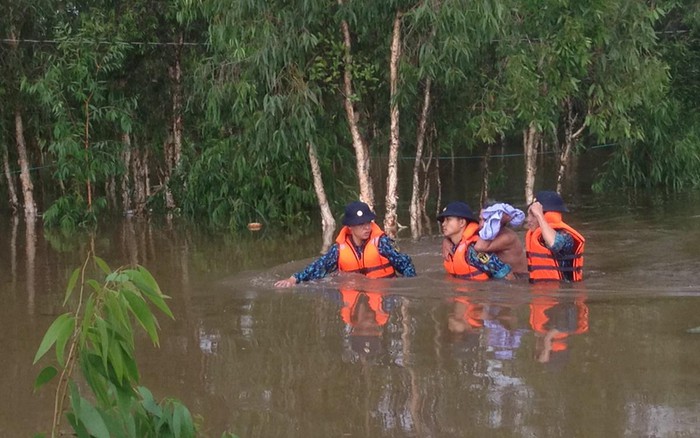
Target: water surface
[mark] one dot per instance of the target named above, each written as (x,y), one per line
(428,356)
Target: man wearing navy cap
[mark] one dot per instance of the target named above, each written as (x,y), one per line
(554,249)
(460,226)
(361,247)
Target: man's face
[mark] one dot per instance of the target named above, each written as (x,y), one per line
(361,232)
(452,226)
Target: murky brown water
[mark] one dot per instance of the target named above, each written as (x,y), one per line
(441,358)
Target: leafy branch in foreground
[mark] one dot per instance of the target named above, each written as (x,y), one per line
(99,337)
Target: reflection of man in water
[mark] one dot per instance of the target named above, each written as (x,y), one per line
(553,321)
(464,325)
(497,321)
(366,317)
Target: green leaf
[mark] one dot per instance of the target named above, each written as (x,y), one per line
(62,340)
(116,359)
(71,284)
(45,376)
(147,284)
(92,420)
(62,324)
(149,402)
(104,343)
(143,314)
(101,263)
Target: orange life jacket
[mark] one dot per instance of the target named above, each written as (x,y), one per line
(473,313)
(570,325)
(542,263)
(370,263)
(350,301)
(457,264)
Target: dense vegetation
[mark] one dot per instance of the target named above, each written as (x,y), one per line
(210,108)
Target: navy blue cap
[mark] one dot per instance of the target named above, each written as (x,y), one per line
(551,201)
(457,209)
(357,213)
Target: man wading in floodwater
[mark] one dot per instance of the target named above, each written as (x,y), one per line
(461,230)
(554,249)
(361,247)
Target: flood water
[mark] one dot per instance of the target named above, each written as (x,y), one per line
(436,358)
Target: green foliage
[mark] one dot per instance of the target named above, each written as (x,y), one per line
(98,336)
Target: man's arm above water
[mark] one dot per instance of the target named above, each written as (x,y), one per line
(401,262)
(487,263)
(319,268)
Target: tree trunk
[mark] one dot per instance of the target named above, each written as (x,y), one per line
(139,183)
(30,263)
(427,221)
(174,155)
(531,140)
(126,159)
(327,219)
(571,136)
(414,208)
(111,191)
(485,176)
(86,145)
(11,186)
(358,142)
(438,183)
(391,200)
(24,176)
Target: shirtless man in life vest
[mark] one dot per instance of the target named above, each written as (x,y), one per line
(501,240)
(460,226)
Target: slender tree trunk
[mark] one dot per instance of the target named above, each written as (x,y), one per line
(414,208)
(571,135)
(174,154)
(30,263)
(11,186)
(438,184)
(425,193)
(126,159)
(24,176)
(13,249)
(392,178)
(146,174)
(139,183)
(358,142)
(485,176)
(327,219)
(111,190)
(531,138)
(86,145)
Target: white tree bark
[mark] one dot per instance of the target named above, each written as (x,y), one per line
(126,159)
(531,139)
(11,186)
(327,219)
(391,200)
(416,196)
(358,142)
(25,178)
(572,133)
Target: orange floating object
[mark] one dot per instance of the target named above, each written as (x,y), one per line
(255,226)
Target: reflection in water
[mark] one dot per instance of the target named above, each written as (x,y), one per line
(365,315)
(554,319)
(403,357)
